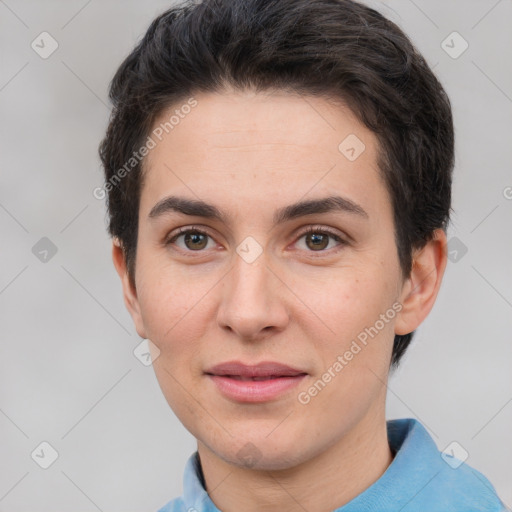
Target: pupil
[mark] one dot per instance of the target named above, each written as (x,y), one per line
(318,240)
(195,239)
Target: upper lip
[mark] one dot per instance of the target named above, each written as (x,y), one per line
(263,369)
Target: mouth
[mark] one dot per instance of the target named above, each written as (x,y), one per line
(261,371)
(241,377)
(262,382)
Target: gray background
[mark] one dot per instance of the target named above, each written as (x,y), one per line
(68,373)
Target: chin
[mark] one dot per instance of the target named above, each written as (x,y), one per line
(259,452)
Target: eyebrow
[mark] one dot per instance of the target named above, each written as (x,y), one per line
(199,208)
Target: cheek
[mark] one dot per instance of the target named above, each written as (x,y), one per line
(346,302)
(167,291)
(356,352)
(356,341)
(170,308)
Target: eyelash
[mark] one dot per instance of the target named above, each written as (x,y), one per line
(309,230)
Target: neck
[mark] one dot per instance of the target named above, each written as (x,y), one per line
(322,483)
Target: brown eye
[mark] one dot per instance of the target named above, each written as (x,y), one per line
(193,240)
(318,239)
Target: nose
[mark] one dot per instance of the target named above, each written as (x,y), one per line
(253,303)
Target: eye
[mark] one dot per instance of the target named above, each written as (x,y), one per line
(317,239)
(194,239)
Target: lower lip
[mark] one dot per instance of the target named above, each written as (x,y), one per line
(255,390)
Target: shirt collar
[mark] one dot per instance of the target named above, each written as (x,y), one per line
(195,496)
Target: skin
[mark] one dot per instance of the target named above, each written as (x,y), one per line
(249,154)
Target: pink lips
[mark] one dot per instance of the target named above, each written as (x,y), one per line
(254,383)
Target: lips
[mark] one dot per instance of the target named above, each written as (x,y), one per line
(262,382)
(261,371)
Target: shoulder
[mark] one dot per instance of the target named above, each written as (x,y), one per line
(440,479)
(175,505)
(468,488)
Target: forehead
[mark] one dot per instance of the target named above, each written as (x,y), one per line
(267,145)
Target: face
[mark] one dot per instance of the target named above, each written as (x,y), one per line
(252,279)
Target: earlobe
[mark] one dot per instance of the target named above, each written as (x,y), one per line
(420,289)
(129,292)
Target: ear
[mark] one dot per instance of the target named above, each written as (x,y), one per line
(420,289)
(129,292)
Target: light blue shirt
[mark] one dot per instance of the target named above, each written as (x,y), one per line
(419,479)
